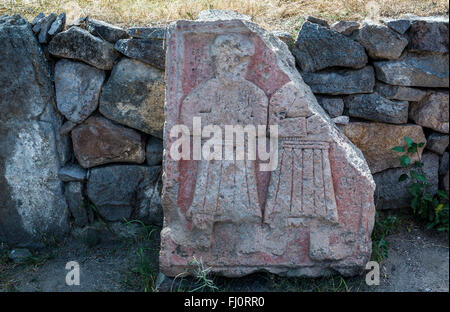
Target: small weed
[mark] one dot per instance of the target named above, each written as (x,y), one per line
(384,226)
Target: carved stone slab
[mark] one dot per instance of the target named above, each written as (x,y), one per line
(312,215)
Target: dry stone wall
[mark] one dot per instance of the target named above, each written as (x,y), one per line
(82,112)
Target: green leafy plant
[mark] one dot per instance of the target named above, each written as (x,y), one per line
(385,225)
(431,208)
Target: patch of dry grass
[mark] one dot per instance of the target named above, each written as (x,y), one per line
(280,14)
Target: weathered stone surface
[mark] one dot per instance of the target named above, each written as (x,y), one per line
(317,20)
(341,81)
(432,111)
(154,151)
(43,27)
(445,183)
(99,141)
(147,32)
(415,70)
(78,44)
(399,92)
(77,88)
(134,96)
(150,51)
(105,30)
(75,201)
(67,127)
(126,191)
(318,47)
(334,106)
(377,108)
(37,18)
(31,201)
(58,25)
(437,142)
(444,164)
(341,120)
(235,217)
(399,25)
(72,172)
(375,140)
(429,34)
(345,27)
(24,80)
(391,194)
(381,42)
(32,204)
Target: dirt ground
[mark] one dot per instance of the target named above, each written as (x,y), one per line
(418,260)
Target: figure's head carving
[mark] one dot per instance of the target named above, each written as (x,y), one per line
(231,54)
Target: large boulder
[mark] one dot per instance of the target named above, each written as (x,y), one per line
(99,141)
(377,108)
(78,44)
(77,88)
(376,141)
(391,194)
(341,81)
(381,42)
(32,204)
(241,216)
(432,111)
(318,47)
(415,70)
(429,34)
(125,192)
(134,96)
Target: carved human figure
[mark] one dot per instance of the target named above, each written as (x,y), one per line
(226,190)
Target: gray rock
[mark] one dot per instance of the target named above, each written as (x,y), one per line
(334,106)
(398,25)
(76,203)
(150,51)
(105,30)
(26,96)
(134,96)
(38,17)
(432,111)
(437,142)
(31,198)
(429,34)
(147,33)
(78,44)
(77,88)
(72,173)
(341,81)
(445,183)
(391,194)
(44,27)
(341,120)
(345,27)
(317,20)
(399,92)
(374,107)
(19,255)
(415,70)
(318,47)
(58,25)
(444,164)
(381,42)
(212,15)
(154,151)
(126,191)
